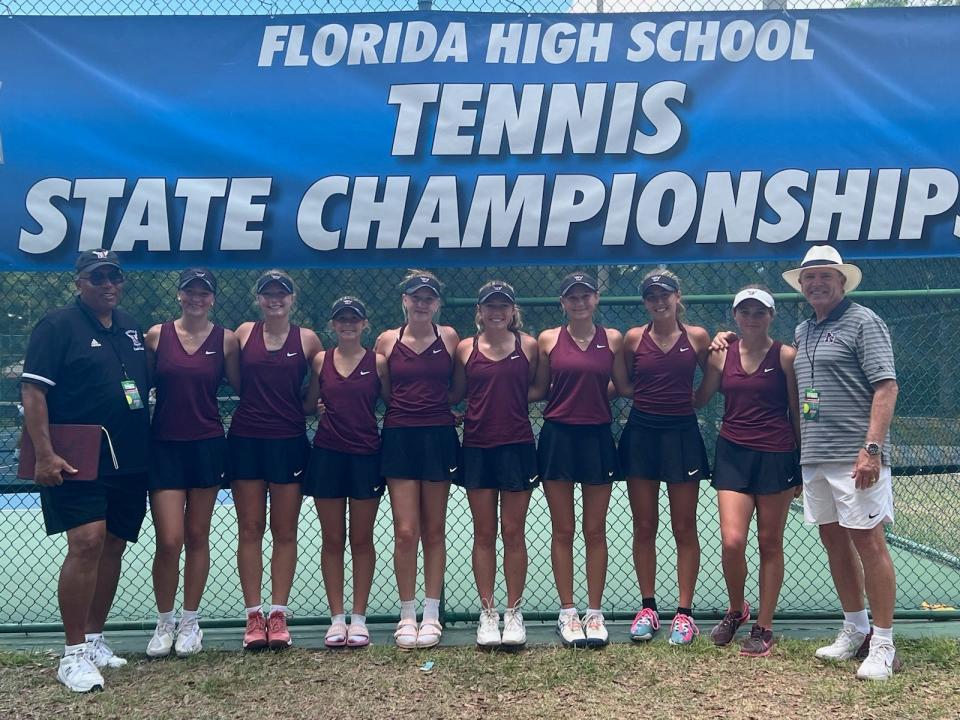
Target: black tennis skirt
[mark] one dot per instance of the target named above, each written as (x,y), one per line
(188,464)
(429,453)
(511,468)
(578,453)
(281,461)
(333,475)
(667,448)
(755,472)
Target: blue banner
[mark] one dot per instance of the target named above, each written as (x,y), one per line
(428,139)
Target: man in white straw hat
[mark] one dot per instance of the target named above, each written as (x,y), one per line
(848,390)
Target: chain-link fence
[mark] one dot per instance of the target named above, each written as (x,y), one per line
(924,323)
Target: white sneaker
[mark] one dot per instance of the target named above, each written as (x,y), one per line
(596,631)
(101,655)
(879,662)
(514,632)
(570,630)
(845,646)
(189,639)
(78,672)
(488,631)
(162,640)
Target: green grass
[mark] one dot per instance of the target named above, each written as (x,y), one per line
(654,681)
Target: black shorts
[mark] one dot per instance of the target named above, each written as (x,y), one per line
(121,500)
(577,453)
(668,448)
(420,453)
(189,464)
(756,472)
(510,468)
(333,474)
(280,461)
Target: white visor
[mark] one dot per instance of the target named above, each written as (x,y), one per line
(761,296)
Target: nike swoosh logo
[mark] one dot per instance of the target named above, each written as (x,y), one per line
(790,479)
(298,473)
(693,472)
(684,349)
(366,372)
(291,354)
(600,347)
(873,516)
(514,357)
(209,352)
(437,350)
(766,370)
(453,469)
(222,475)
(610,473)
(533,479)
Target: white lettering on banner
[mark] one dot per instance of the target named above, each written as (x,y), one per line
(491,207)
(930,191)
(556,43)
(550,124)
(363,44)
(144,215)
(736,209)
(828,201)
(698,41)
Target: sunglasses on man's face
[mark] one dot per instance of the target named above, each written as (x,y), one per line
(115,277)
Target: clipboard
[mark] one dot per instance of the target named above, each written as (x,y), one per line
(79,445)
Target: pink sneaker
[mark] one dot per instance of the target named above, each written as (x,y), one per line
(255,637)
(683,630)
(277,632)
(645,624)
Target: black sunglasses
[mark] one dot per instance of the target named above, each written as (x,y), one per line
(100,278)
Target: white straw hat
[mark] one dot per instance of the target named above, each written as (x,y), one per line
(824,256)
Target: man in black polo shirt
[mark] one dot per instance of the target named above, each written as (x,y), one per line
(86,364)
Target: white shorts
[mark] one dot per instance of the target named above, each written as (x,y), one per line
(830,496)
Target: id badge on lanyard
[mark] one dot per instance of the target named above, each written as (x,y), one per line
(130,392)
(810,404)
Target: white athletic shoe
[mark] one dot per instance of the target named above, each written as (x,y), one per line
(162,640)
(570,630)
(879,663)
(596,630)
(514,632)
(101,655)
(78,672)
(189,639)
(845,646)
(488,631)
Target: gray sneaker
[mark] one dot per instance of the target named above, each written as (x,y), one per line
(726,629)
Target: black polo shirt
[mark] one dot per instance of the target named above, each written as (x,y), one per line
(82,365)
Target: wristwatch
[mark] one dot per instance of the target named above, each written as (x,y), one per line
(872,448)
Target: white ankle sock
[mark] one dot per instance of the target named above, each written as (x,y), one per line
(90,637)
(408,609)
(339,618)
(593,611)
(885,633)
(859,620)
(570,611)
(165,618)
(189,617)
(278,608)
(431,608)
(73,649)
(254,610)
(358,619)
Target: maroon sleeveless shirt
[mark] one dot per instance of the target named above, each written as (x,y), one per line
(497,399)
(349,424)
(419,384)
(270,402)
(756,406)
(187,387)
(663,381)
(579,379)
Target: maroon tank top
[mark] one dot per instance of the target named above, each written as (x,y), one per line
(187,387)
(663,381)
(349,424)
(419,384)
(497,399)
(756,405)
(270,402)
(579,379)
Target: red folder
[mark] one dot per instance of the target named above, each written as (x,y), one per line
(79,445)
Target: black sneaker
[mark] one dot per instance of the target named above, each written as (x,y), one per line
(725,630)
(759,644)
